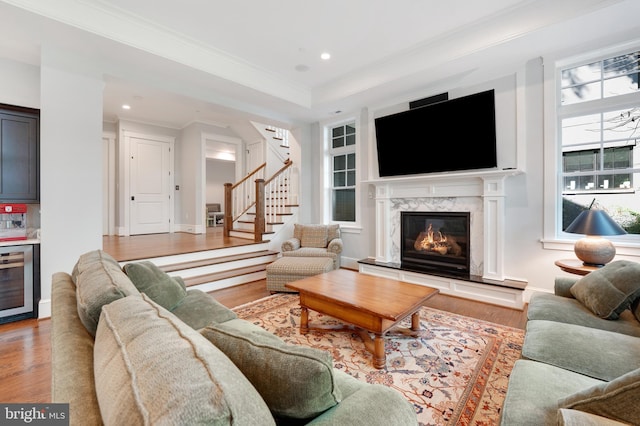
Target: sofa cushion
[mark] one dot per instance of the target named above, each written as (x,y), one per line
(294,381)
(545,306)
(617,399)
(311,235)
(99,281)
(571,347)
(198,309)
(150,368)
(155,283)
(609,290)
(533,393)
(568,417)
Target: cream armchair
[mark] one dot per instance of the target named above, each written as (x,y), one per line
(315,241)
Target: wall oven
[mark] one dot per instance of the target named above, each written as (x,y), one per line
(17,295)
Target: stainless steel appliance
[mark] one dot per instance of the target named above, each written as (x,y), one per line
(17,298)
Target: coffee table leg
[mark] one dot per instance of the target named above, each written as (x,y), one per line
(379,357)
(415,321)
(304,320)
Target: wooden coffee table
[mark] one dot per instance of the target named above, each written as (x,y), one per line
(371,304)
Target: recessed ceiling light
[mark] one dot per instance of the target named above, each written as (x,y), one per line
(325,56)
(125,106)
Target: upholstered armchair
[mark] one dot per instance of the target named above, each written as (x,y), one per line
(315,241)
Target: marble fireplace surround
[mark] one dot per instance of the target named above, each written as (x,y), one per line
(480,193)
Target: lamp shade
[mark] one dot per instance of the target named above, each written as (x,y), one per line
(594,222)
(594,250)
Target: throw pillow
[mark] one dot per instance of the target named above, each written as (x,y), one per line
(99,281)
(151,368)
(157,284)
(609,290)
(295,381)
(314,236)
(617,399)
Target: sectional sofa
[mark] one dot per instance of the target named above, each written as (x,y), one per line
(131,345)
(581,355)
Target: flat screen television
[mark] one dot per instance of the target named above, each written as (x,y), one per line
(453,135)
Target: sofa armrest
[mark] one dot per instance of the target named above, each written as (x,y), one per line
(563,285)
(335,246)
(291,244)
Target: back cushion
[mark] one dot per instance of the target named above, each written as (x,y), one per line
(295,381)
(99,281)
(166,291)
(609,290)
(314,236)
(150,368)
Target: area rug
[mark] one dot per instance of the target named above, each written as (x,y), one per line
(454,373)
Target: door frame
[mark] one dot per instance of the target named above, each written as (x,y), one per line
(109,183)
(240,166)
(125,162)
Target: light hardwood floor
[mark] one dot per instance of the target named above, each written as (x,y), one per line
(25,350)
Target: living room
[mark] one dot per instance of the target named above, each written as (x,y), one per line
(70,98)
(529,235)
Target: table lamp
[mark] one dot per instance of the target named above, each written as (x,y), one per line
(594,250)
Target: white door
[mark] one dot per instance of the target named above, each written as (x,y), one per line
(149,186)
(255,156)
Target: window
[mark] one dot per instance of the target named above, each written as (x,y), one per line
(598,120)
(342,153)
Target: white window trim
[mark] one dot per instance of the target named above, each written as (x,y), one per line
(551,158)
(327,168)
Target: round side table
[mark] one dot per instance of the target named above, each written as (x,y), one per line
(575,266)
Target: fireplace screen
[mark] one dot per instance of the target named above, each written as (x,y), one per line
(435,242)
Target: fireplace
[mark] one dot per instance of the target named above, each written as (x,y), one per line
(435,242)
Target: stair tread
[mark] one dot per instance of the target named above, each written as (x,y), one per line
(231,273)
(215,261)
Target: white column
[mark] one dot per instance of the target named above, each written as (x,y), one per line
(494,215)
(383,224)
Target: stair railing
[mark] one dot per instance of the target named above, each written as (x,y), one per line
(240,197)
(270,198)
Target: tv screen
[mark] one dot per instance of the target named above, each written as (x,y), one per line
(454,135)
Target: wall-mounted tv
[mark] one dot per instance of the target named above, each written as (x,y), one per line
(453,135)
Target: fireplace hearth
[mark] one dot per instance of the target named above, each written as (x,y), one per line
(435,242)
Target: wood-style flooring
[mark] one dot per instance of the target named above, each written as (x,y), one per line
(25,350)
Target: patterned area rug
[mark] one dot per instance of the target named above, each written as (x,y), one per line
(454,373)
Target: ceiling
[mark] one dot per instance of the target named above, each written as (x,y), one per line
(227,61)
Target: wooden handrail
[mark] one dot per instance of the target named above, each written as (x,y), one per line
(287,164)
(248,176)
(266,198)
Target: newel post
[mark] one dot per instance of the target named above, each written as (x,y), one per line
(228,209)
(259,225)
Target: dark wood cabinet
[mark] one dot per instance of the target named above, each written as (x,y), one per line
(19,154)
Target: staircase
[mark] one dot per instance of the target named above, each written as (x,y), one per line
(261,203)
(260,209)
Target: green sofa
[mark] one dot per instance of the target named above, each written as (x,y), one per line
(131,345)
(581,355)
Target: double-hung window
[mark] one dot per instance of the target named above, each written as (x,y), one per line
(598,116)
(342,159)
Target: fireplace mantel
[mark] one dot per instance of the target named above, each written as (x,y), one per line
(488,185)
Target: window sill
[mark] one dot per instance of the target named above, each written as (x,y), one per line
(623,249)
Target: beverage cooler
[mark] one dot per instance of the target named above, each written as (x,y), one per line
(19,264)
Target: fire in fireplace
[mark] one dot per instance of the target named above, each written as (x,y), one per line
(435,242)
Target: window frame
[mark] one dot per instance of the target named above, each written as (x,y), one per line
(553,236)
(327,172)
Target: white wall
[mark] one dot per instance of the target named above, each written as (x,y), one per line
(219,172)
(71,172)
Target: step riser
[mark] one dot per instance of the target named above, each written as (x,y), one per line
(221,267)
(202,255)
(230,282)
